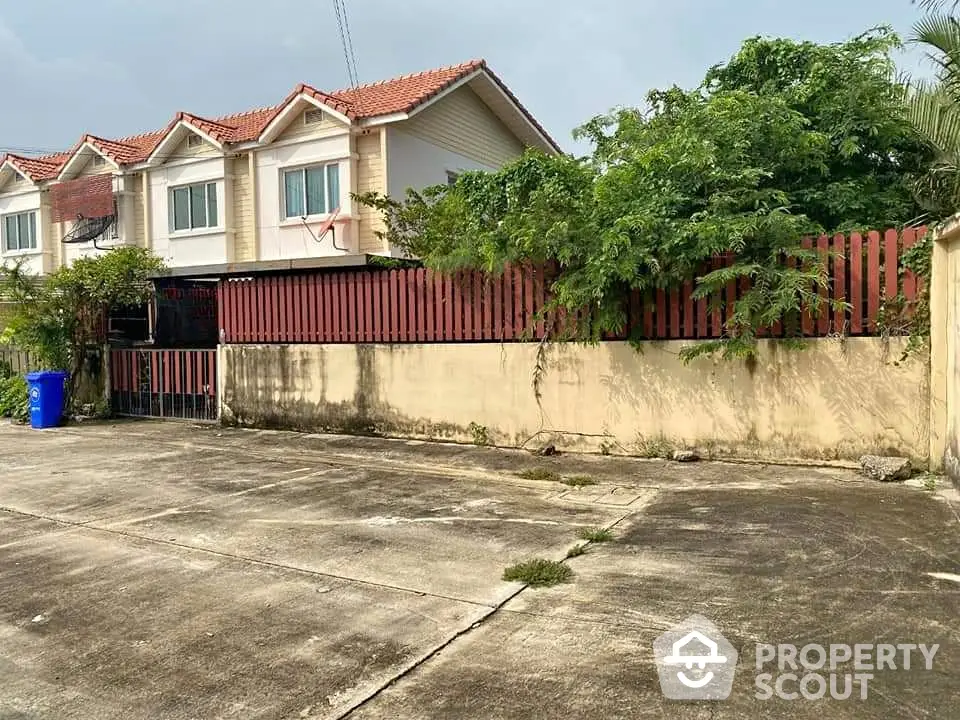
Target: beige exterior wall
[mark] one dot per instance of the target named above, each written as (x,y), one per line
(371,176)
(185,151)
(462,123)
(299,130)
(834,400)
(244,246)
(139,222)
(52,244)
(944,347)
(90,168)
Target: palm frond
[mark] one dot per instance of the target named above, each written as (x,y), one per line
(936,5)
(939,34)
(933,110)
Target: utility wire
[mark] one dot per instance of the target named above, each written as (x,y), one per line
(349,54)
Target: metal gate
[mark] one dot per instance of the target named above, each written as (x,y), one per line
(164,383)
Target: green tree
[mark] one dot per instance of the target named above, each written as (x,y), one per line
(849,93)
(785,139)
(934,108)
(57,317)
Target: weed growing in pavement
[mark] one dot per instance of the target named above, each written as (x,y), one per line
(596,535)
(538,573)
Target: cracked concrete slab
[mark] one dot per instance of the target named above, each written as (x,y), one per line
(130,629)
(799,564)
(437,535)
(154,570)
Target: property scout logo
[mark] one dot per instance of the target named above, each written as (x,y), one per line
(695,662)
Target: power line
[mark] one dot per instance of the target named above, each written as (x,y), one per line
(349,54)
(29,151)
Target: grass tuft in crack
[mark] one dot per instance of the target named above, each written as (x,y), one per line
(538,573)
(577,550)
(539,474)
(578,481)
(596,535)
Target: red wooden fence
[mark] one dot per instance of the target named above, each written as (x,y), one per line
(420,306)
(164,383)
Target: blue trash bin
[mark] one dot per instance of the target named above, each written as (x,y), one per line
(45,391)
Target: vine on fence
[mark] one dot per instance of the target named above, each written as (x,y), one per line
(900,316)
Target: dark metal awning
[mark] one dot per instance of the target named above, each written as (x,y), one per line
(256,267)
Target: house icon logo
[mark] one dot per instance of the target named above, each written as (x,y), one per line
(694,661)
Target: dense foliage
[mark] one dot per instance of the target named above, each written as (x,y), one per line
(786,139)
(13,394)
(58,316)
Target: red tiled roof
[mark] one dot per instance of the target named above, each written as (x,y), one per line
(239,127)
(404,93)
(399,95)
(35,168)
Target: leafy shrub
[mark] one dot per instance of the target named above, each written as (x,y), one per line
(13,397)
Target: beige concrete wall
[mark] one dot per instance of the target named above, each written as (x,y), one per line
(944,346)
(835,399)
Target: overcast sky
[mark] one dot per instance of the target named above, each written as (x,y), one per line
(118,67)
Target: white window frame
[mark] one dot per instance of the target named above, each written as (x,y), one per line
(98,160)
(20,249)
(194,140)
(192,229)
(328,206)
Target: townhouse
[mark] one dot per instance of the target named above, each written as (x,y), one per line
(272,184)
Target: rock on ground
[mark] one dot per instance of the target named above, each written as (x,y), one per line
(685,455)
(885,469)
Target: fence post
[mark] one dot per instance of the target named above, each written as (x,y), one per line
(107,374)
(162,387)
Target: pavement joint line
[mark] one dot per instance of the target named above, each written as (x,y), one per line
(243,558)
(475,625)
(118,519)
(427,656)
(37,536)
(114,520)
(344,460)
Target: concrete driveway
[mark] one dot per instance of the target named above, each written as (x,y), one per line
(155,570)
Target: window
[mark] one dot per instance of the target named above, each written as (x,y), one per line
(452,178)
(194,141)
(18,178)
(19,231)
(98,161)
(311,117)
(311,191)
(193,207)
